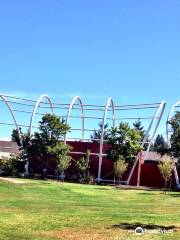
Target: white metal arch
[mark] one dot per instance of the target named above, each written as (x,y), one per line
(69,113)
(108,103)
(169,139)
(36,107)
(159,113)
(13,116)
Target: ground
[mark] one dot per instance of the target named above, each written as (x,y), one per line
(48,210)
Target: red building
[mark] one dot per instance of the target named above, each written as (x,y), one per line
(149,175)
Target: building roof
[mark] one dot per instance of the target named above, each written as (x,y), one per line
(153,156)
(8,147)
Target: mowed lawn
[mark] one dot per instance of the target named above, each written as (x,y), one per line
(47,210)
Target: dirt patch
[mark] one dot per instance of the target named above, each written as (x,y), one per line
(13,180)
(125,232)
(9,210)
(92,234)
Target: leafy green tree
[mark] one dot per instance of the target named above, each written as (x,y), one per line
(124,141)
(175,136)
(120,166)
(61,152)
(166,168)
(96,136)
(47,142)
(160,145)
(83,165)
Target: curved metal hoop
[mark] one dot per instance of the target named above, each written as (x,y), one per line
(13,116)
(169,138)
(36,107)
(159,113)
(69,112)
(108,103)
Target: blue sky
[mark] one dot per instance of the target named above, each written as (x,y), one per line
(129,50)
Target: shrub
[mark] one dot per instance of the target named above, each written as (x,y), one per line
(120,166)
(12,165)
(165,168)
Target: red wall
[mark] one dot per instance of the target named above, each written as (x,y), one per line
(150,175)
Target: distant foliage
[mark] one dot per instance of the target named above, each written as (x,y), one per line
(138,126)
(96,136)
(175,136)
(160,145)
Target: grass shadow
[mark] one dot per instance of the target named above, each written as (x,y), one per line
(103,188)
(174,195)
(133,226)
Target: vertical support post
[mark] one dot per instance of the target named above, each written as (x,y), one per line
(139,173)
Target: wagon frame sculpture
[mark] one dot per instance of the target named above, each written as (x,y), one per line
(153,126)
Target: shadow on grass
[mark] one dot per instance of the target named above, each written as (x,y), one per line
(127,187)
(174,195)
(133,226)
(103,188)
(171,194)
(145,193)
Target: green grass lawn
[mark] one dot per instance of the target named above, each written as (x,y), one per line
(47,210)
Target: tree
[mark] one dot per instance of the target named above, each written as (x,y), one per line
(125,142)
(15,136)
(175,136)
(166,167)
(47,142)
(83,165)
(160,145)
(138,126)
(23,143)
(120,166)
(61,152)
(96,136)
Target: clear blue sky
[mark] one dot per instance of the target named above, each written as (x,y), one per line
(129,50)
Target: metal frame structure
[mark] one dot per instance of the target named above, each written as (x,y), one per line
(69,112)
(38,102)
(109,101)
(13,116)
(104,109)
(168,136)
(158,114)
